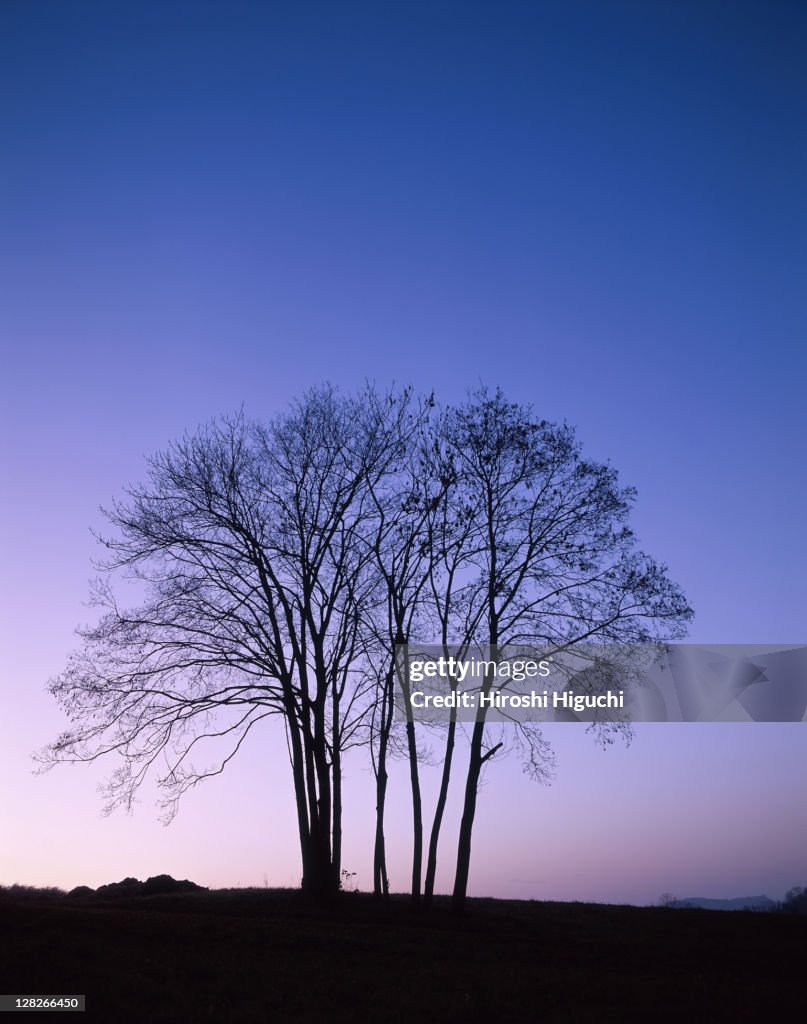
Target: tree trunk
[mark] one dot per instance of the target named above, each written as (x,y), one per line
(380,877)
(417,813)
(467,823)
(336,839)
(318,864)
(402,669)
(475,762)
(324,802)
(434,838)
(298,774)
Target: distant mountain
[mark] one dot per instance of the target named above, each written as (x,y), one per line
(738,903)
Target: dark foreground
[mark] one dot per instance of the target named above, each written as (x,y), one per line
(263,955)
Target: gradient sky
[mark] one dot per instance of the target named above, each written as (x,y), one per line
(599,206)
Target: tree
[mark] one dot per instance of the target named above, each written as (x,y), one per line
(553,561)
(280,564)
(248,544)
(402,500)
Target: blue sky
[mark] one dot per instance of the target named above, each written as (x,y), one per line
(598,206)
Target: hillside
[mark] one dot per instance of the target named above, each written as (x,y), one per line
(257,955)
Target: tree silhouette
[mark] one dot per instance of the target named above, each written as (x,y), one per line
(247,541)
(278,565)
(554,561)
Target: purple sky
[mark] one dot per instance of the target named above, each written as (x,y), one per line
(600,207)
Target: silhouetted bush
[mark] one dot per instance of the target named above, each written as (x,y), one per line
(16,891)
(156,885)
(126,887)
(165,883)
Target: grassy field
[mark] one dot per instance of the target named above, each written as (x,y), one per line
(264,955)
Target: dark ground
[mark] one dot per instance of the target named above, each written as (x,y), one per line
(263,955)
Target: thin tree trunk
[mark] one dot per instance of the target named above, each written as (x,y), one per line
(402,669)
(336,779)
(467,823)
(417,813)
(380,877)
(336,840)
(475,762)
(434,838)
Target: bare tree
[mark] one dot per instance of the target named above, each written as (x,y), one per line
(280,564)
(554,561)
(451,543)
(403,501)
(249,543)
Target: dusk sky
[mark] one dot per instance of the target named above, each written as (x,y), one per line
(599,206)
